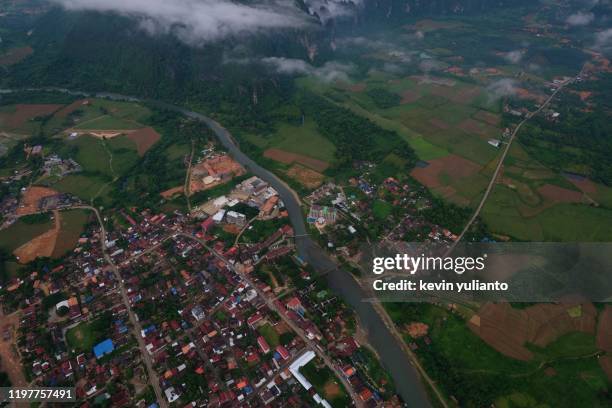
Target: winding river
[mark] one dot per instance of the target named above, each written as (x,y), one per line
(407,380)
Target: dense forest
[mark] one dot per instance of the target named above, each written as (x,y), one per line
(579,140)
(355,137)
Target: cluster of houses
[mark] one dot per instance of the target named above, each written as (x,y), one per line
(211,336)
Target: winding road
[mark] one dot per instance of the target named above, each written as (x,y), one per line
(136,328)
(500,164)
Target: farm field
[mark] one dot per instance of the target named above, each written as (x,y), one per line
(302,139)
(22,232)
(42,245)
(84,187)
(144,138)
(15,55)
(531,202)
(448,123)
(72,226)
(98,114)
(286,157)
(564,371)
(24,118)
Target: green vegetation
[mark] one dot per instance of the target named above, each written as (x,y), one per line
(383,99)
(381,209)
(43,218)
(326,385)
(579,142)
(87,334)
(355,137)
(476,375)
(259,230)
(268,333)
(562,222)
(73,224)
(20,232)
(302,139)
(85,187)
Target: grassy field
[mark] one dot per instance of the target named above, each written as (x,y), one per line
(302,139)
(486,376)
(85,187)
(561,222)
(381,209)
(21,232)
(125,153)
(108,122)
(326,385)
(72,226)
(95,155)
(268,333)
(453,116)
(98,114)
(83,337)
(91,154)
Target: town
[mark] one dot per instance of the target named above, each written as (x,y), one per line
(167,310)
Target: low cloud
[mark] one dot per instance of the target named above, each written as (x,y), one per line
(329,72)
(428,65)
(603,40)
(197,21)
(502,88)
(332,9)
(580,18)
(514,57)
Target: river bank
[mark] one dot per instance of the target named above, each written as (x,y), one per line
(388,347)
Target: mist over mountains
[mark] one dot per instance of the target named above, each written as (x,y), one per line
(224,53)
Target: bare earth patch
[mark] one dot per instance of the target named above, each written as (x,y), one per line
(220,169)
(360,87)
(289,158)
(409,96)
(68,109)
(15,55)
(41,246)
(455,166)
(305,176)
(24,113)
(9,359)
(604,330)
(508,330)
(331,390)
(473,127)
(31,197)
(439,123)
(560,194)
(144,138)
(172,192)
(488,117)
(584,184)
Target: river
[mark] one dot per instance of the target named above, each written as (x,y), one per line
(406,378)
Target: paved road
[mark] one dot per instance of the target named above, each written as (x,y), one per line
(500,164)
(270,303)
(381,336)
(152,374)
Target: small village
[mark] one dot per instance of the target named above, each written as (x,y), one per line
(168,304)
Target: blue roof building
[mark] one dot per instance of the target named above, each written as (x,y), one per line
(101,349)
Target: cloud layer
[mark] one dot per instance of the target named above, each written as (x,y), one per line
(196,21)
(603,40)
(331,71)
(580,18)
(502,88)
